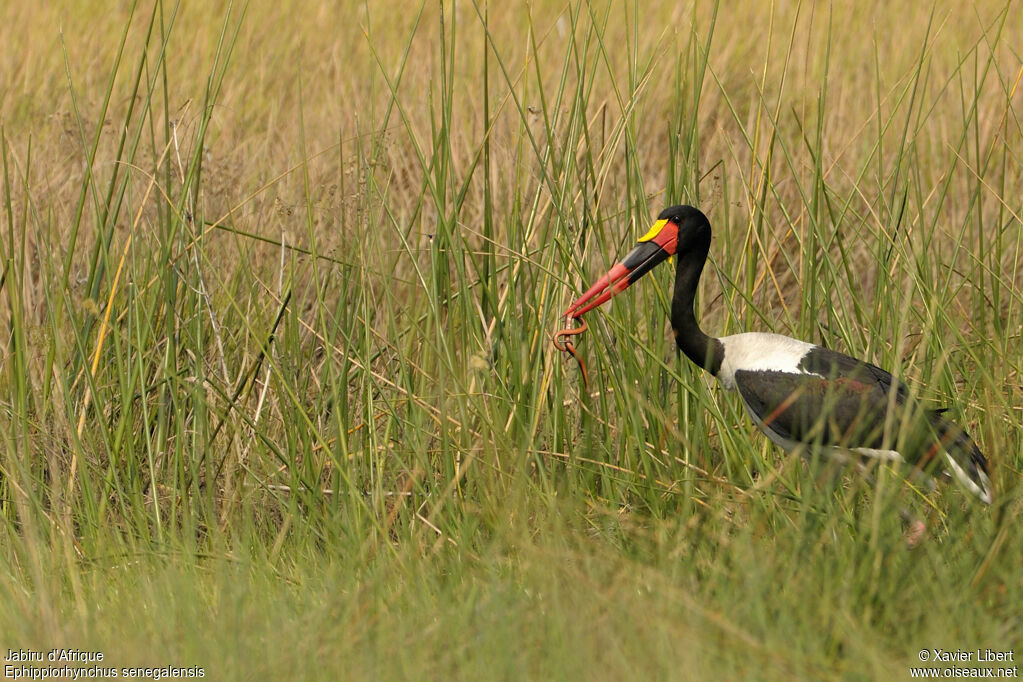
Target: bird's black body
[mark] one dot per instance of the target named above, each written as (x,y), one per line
(824,399)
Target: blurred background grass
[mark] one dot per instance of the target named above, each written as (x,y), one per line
(278,396)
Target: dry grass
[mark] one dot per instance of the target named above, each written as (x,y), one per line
(368,426)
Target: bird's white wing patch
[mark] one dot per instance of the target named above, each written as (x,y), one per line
(757,351)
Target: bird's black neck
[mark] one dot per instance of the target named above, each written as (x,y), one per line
(705,351)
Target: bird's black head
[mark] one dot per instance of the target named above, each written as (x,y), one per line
(692,224)
(677,228)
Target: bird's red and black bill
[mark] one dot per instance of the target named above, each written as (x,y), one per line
(654,247)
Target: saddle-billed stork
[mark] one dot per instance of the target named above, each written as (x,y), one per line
(799,394)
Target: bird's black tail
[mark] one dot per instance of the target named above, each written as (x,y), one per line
(962,458)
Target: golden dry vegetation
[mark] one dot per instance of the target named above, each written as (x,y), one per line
(279,283)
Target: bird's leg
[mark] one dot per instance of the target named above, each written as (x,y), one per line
(914,530)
